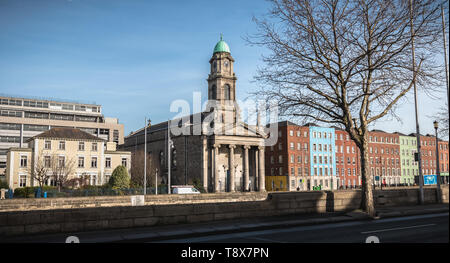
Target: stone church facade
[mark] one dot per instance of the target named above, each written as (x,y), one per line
(214,147)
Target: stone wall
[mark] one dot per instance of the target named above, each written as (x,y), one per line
(27,204)
(194,209)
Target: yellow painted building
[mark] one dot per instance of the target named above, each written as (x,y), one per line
(276,183)
(75,153)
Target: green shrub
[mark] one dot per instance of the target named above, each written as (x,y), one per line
(198,185)
(119,178)
(3,185)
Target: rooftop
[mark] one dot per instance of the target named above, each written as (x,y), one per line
(66,133)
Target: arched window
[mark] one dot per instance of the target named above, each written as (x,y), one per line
(227,92)
(213,92)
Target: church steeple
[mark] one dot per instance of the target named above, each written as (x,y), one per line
(222,80)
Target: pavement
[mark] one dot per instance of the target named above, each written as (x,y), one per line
(180,231)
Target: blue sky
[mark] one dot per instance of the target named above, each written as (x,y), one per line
(135,57)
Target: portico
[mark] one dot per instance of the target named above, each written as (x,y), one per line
(235,166)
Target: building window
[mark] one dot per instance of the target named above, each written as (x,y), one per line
(227,92)
(124,162)
(80,162)
(61,161)
(48,145)
(23,161)
(292,158)
(94,162)
(280,159)
(108,162)
(22,180)
(62,145)
(291,133)
(94,147)
(81,146)
(291,145)
(47,161)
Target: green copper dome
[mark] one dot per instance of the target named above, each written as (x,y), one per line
(221,46)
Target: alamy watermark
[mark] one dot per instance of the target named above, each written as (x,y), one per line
(226,117)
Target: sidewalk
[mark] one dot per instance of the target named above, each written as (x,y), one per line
(228,226)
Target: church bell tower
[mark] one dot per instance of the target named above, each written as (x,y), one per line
(222,80)
(222,84)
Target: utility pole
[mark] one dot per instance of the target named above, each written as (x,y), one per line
(145,157)
(156,182)
(169,150)
(419,152)
(445,52)
(438,172)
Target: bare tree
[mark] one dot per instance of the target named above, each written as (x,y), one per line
(40,169)
(346,62)
(137,169)
(61,169)
(442,118)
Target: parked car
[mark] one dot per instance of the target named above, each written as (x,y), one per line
(184,189)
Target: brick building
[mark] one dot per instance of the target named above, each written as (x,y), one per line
(348,168)
(287,162)
(443,161)
(384,155)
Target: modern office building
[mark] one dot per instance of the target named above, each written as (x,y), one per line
(66,155)
(22,118)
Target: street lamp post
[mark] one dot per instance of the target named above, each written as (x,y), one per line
(438,173)
(156,182)
(145,157)
(419,151)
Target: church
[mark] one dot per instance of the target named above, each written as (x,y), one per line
(216,148)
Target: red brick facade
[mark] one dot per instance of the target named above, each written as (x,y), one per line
(347,161)
(384,157)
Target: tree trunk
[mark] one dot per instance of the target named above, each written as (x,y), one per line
(367,202)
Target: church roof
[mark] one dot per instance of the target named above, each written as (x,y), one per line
(66,133)
(221,46)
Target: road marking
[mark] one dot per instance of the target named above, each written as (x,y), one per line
(267,240)
(397,228)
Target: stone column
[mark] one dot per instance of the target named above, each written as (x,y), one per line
(216,165)
(261,169)
(246,168)
(205,164)
(256,182)
(231,167)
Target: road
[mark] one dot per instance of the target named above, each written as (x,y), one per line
(431,228)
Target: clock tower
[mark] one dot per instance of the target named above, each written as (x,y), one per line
(222,80)
(222,84)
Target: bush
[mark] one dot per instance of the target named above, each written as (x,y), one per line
(3,185)
(29,191)
(119,178)
(198,185)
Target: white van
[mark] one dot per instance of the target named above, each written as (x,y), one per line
(184,189)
